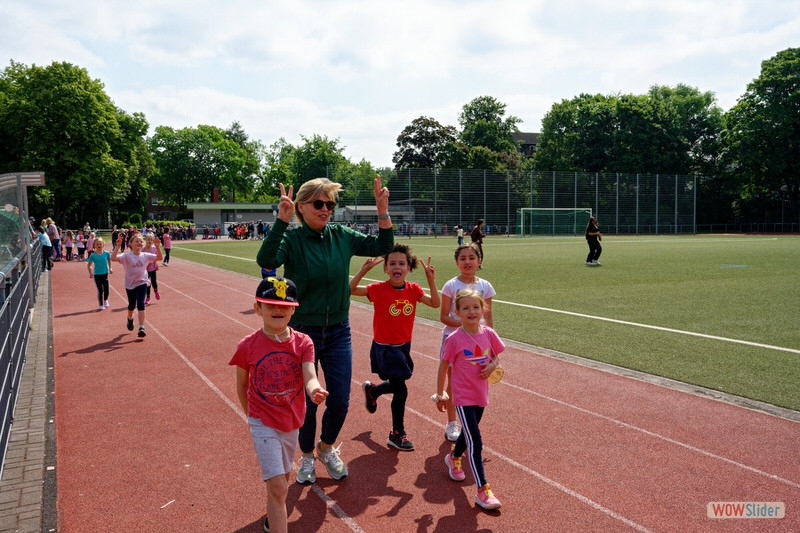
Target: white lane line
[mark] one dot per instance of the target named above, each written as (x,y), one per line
(648,326)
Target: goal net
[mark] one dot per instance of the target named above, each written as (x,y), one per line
(552,221)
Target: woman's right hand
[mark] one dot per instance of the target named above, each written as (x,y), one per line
(286,205)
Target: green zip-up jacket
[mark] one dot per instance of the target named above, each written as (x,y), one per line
(319,265)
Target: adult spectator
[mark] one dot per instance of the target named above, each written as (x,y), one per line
(316,256)
(55,238)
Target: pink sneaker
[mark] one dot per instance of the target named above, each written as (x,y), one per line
(147,301)
(454,467)
(485,498)
(158,296)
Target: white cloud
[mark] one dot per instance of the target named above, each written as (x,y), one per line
(361,71)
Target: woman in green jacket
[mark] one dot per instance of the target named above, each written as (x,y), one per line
(316,256)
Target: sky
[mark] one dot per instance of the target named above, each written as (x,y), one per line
(361,71)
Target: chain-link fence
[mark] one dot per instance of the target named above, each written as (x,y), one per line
(434,201)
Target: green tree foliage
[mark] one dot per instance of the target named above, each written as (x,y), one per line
(483,123)
(192,162)
(58,120)
(669,130)
(421,143)
(318,157)
(762,138)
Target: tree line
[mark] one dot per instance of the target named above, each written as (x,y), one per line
(100,162)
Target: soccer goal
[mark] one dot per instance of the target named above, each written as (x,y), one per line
(552,220)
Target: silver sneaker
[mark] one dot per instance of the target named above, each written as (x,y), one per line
(336,468)
(307,473)
(452,431)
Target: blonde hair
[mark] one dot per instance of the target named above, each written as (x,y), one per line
(100,241)
(469,293)
(309,191)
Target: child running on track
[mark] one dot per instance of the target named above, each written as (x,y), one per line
(152,268)
(469,357)
(99,265)
(135,263)
(167,239)
(468,260)
(395,303)
(274,372)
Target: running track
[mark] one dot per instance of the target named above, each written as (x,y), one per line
(150,435)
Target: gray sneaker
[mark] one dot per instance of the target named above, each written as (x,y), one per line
(307,473)
(336,468)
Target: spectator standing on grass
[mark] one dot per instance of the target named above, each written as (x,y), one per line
(469,357)
(395,306)
(468,262)
(274,373)
(316,256)
(135,263)
(99,265)
(593,238)
(477,235)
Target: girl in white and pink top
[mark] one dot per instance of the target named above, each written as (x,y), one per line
(135,262)
(469,356)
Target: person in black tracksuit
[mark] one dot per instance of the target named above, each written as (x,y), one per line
(593,238)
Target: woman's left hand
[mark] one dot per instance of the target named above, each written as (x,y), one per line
(381,196)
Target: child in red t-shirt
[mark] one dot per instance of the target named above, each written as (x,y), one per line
(395,305)
(275,370)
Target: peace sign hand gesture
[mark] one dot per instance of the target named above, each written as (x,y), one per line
(286,206)
(430,270)
(381,196)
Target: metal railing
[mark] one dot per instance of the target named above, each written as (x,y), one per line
(20,278)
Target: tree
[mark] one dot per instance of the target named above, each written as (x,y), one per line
(192,162)
(317,157)
(248,171)
(762,137)
(669,130)
(482,124)
(58,120)
(421,143)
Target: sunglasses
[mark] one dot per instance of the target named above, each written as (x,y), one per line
(318,204)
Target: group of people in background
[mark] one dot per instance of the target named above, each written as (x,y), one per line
(309,305)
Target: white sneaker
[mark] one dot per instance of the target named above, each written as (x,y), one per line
(105,304)
(452,431)
(596,263)
(307,473)
(589,263)
(102,307)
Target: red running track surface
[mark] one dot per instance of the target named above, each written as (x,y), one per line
(150,435)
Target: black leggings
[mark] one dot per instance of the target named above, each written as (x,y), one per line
(594,250)
(152,275)
(470,440)
(101,280)
(399,390)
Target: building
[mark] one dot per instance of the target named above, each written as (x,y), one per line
(527,142)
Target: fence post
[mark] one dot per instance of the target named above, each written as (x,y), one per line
(676,204)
